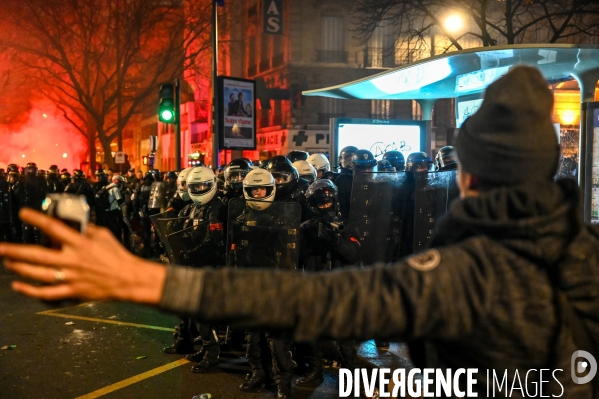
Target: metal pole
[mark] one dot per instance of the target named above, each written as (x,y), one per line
(178,124)
(215,94)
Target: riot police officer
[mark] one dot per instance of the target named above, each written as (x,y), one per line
(344,180)
(234,174)
(446,159)
(297,155)
(101,203)
(205,238)
(65,178)
(80,186)
(290,186)
(14,177)
(384,166)
(140,206)
(322,165)
(326,243)
(419,162)
(260,191)
(396,159)
(181,197)
(6,211)
(55,185)
(305,170)
(171,184)
(30,193)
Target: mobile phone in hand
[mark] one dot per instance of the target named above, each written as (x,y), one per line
(70,209)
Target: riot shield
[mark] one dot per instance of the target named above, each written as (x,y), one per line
(433,192)
(166,227)
(264,239)
(186,246)
(378,204)
(158,198)
(164,215)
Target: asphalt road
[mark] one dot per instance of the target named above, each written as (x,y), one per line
(109,350)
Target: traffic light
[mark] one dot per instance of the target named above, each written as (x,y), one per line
(166,105)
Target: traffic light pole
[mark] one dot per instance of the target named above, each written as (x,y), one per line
(215,94)
(178,124)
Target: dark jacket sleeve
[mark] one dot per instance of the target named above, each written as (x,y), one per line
(413,298)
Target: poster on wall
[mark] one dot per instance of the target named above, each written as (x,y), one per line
(237,113)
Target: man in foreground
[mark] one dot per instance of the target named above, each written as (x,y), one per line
(510,284)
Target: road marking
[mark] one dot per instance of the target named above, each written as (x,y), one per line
(53,312)
(133,380)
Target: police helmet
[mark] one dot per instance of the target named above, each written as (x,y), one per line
(149,177)
(53,170)
(286,178)
(320,162)
(305,170)
(42,173)
(259,189)
(201,185)
(65,176)
(419,162)
(171,175)
(234,174)
(345,156)
(446,158)
(78,174)
(31,169)
(118,178)
(101,175)
(297,155)
(321,193)
(278,159)
(157,174)
(182,184)
(396,159)
(384,166)
(362,159)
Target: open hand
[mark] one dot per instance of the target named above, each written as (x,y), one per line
(91,266)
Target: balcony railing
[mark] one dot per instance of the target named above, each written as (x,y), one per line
(331,56)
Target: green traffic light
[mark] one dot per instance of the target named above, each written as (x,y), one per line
(167,115)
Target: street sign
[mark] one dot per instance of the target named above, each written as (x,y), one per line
(119,157)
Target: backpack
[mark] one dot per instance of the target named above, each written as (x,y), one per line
(102,200)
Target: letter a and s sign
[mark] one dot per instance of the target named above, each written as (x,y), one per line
(273,17)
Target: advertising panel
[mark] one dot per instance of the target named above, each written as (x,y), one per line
(237,113)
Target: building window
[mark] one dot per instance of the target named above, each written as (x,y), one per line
(332,40)
(380,51)
(380,109)
(331,108)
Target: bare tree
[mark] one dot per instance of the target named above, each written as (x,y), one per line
(491,22)
(101,61)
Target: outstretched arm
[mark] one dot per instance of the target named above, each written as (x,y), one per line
(440,292)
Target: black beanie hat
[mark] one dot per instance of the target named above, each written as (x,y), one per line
(511,138)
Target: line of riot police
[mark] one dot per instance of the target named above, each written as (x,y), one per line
(289,215)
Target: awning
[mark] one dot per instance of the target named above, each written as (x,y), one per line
(466,72)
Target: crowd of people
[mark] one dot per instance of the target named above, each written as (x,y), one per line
(198,198)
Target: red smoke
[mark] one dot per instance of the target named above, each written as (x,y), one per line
(43,139)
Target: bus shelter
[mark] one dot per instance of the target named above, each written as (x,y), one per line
(469,72)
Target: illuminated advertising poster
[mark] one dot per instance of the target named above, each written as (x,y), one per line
(378,136)
(237,113)
(466,106)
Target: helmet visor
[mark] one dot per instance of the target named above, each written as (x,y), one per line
(258,192)
(236,176)
(199,188)
(282,177)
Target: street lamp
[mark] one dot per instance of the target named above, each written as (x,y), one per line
(453,23)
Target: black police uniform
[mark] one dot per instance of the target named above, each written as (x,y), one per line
(140,207)
(6,211)
(30,193)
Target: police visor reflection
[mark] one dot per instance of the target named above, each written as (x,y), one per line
(199,188)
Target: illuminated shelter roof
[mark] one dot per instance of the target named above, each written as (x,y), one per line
(466,72)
